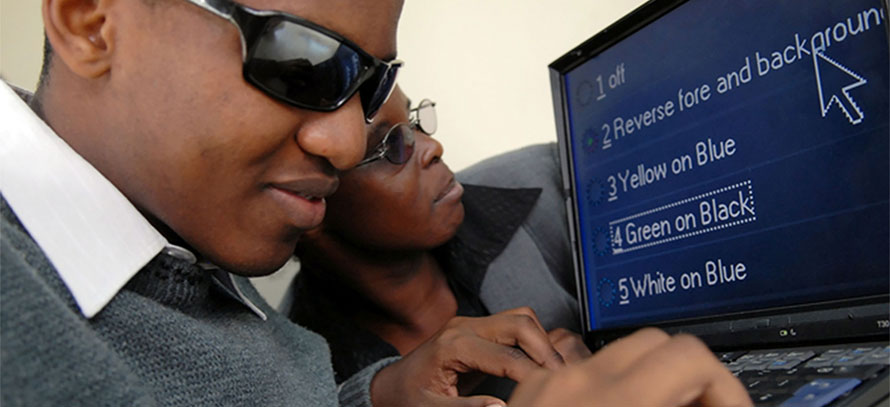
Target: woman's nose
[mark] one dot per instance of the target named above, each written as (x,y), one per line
(429,148)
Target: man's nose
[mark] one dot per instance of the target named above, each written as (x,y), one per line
(338,136)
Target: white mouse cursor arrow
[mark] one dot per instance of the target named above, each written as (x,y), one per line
(835,82)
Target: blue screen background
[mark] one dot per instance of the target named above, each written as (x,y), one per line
(800,207)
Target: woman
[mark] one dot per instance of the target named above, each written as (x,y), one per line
(404,247)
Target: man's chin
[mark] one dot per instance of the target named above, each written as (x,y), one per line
(259,264)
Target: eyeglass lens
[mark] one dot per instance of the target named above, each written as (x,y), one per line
(400,144)
(426,116)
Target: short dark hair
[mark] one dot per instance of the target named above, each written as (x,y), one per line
(47,59)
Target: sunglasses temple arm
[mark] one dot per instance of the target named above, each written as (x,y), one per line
(227,10)
(222,8)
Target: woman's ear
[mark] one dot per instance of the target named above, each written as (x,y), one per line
(81,34)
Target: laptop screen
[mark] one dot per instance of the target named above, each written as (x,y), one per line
(728,156)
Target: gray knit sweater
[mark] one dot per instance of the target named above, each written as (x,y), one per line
(171,337)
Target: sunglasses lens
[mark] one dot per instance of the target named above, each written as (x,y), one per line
(378,88)
(426,117)
(302,66)
(400,144)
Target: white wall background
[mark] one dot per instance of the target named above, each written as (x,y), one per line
(483,61)
(21,42)
(485,64)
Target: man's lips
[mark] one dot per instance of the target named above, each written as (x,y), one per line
(303,201)
(309,188)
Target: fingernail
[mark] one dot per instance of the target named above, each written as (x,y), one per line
(496,405)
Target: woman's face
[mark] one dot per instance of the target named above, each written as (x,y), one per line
(381,205)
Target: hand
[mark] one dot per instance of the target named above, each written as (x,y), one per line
(508,344)
(648,368)
(569,344)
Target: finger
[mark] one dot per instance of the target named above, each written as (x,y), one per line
(572,386)
(620,355)
(478,354)
(527,311)
(726,390)
(482,401)
(569,344)
(523,330)
(559,334)
(474,401)
(680,371)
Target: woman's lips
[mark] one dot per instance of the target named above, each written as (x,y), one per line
(452,191)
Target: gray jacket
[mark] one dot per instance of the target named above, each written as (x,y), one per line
(541,243)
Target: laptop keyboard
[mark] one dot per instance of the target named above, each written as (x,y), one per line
(805,378)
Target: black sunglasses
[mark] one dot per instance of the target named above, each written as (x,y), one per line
(303,64)
(397,145)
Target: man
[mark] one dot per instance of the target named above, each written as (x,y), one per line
(187,137)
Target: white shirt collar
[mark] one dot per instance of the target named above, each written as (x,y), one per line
(96,239)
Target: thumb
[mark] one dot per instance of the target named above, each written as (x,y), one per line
(474,401)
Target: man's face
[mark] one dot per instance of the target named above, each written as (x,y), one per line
(236,174)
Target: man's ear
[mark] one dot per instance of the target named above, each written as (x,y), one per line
(80,34)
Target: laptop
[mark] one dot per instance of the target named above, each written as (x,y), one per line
(728,172)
